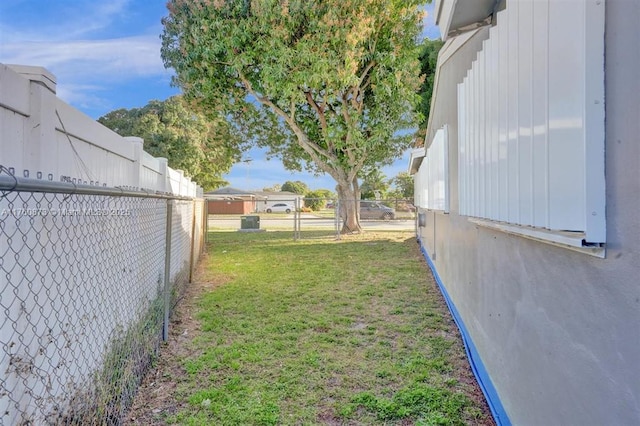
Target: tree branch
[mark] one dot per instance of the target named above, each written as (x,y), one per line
(319,111)
(365,72)
(353,174)
(323,119)
(314,151)
(345,109)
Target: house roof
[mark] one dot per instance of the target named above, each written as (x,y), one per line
(234,193)
(280,193)
(227,190)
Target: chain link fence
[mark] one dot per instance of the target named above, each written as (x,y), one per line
(87,283)
(316,216)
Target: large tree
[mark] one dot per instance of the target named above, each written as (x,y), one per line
(297,187)
(403,185)
(428,62)
(327,85)
(374,185)
(204,148)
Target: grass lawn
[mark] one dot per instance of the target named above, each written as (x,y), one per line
(277,332)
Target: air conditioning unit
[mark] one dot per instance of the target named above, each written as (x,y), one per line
(250,222)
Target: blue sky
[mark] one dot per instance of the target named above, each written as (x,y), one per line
(106,55)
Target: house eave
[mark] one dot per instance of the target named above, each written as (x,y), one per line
(415,159)
(455,17)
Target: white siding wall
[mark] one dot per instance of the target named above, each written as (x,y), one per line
(421,185)
(531,120)
(432,179)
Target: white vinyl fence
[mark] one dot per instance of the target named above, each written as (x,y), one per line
(97,241)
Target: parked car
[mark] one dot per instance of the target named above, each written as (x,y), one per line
(280,208)
(374,210)
(405,206)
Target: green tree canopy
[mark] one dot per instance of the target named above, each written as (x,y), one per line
(374,185)
(204,148)
(273,188)
(297,187)
(315,200)
(403,185)
(326,193)
(428,60)
(326,85)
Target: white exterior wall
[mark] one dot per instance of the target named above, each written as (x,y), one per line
(556,329)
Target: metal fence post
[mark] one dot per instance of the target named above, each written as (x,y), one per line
(299,208)
(167,271)
(295,219)
(192,262)
(336,216)
(206,221)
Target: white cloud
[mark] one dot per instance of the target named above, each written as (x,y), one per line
(86,60)
(82,96)
(71,44)
(64,21)
(84,68)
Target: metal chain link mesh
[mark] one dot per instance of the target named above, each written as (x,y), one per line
(181,229)
(82,300)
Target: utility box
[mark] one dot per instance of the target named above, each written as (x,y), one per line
(249,222)
(422,219)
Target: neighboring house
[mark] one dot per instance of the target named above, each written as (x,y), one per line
(268,199)
(537,254)
(229,200)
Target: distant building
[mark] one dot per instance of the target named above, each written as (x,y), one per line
(268,199)
(229,200)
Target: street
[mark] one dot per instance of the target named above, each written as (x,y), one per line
(308,221)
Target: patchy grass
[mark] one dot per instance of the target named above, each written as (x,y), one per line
(317,332)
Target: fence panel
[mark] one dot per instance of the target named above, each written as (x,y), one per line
(82,300)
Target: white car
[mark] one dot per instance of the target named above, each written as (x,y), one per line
(280,208)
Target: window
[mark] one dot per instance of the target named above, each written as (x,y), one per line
(531,124)
(431,180)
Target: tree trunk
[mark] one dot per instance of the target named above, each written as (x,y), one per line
(349,196)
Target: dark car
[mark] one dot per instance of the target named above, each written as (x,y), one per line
(375,210)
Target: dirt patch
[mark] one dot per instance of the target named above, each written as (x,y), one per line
(156,398)
(460,364)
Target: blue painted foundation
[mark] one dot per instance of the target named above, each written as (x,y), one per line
(482,376)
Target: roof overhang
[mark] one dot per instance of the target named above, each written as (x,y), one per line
(415,159)
(458,16)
